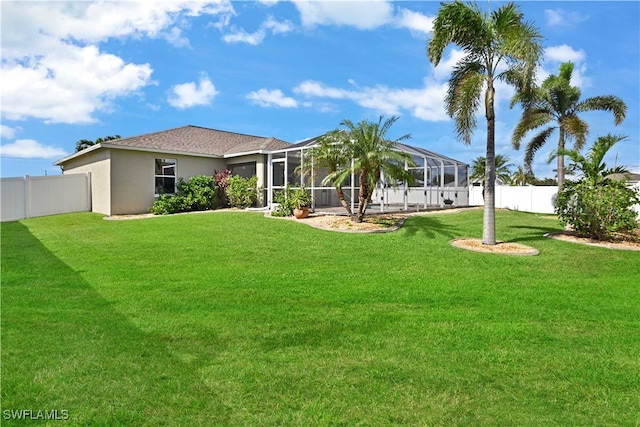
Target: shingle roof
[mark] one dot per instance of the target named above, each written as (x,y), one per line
(199,140)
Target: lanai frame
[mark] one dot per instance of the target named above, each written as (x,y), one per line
(438,178)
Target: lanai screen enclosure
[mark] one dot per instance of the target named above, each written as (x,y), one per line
(437,178)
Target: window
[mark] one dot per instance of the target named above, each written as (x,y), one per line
(245,170)
(165,176)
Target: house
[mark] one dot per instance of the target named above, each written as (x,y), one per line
(128,174)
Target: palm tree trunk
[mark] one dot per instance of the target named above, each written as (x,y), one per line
(363,197)
(489,217)
(560,166)
(343,202)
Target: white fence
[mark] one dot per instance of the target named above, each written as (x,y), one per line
(33,196)
(527,198)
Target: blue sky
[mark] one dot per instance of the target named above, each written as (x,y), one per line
(286,69)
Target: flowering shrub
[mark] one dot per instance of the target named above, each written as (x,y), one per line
(222,182)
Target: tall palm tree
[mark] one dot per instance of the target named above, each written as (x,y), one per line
(556,105)
(497,46)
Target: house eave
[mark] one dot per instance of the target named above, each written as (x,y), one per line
(143,149)
(246,153)
(77,154)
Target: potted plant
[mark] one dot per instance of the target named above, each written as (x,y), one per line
(301,200)
(448,202)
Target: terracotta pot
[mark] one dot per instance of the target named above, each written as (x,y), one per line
(301,213)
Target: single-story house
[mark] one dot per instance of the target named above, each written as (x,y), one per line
(128,174)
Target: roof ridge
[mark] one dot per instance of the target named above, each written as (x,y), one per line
(226,131)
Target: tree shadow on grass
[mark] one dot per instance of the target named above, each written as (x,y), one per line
(527,233)
(430,227)
(65,347)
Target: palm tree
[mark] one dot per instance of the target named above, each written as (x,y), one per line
(362,150)
(330,155)
(497,46)
(375,156)
(599,203)
(522,176)
(503,171)
(592,166)
(556,105)
(86,143)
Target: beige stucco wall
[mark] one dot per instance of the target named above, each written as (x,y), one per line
(123,181)
(133,177)
(98,163)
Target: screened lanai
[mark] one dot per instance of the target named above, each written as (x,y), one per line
(438,178)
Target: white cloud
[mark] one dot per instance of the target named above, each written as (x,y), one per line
(425,103)
(560,17)
(238,35)
(7,132)
(187,95)
(364,15)
(564,53)
(361,14)
(30,149)
(555,55)
(68,85)
(272,98)
(53,68)
(418,23)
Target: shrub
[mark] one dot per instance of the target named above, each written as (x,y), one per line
(598,210)
(285,203)
(289,199)
(197,194)
(222,182)
(167,204)
(242,192)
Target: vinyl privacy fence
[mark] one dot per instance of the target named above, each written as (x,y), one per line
(33,196)
(538,199)
(528,198)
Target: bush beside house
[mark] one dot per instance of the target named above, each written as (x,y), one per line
(202,193)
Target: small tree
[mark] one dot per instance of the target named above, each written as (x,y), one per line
(222,182)
(597,205)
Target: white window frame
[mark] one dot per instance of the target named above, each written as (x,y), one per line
(174,176)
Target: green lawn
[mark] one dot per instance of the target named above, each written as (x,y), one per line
(231,318)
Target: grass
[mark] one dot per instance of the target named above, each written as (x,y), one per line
(236,319)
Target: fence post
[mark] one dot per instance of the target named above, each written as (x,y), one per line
(27,196)
(89,198)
